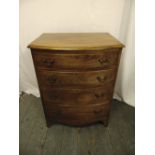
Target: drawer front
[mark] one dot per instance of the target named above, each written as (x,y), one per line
(75,115)
(76,79)
(78,96)
(50,61)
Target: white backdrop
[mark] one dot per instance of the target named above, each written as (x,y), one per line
(113,16)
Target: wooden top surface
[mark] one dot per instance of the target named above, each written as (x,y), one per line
(75,41)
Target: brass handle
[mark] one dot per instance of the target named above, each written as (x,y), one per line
(52,79)
(99,95)
(48,63)
(53,96)
(101,79)
(97,111)
(103,61)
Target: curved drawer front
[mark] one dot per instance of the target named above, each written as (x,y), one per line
(76,79)
(50,61)
(77,115)
(78,96)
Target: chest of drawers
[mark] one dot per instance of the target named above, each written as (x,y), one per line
(76,74)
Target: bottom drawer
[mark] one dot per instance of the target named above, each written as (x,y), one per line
(77,115)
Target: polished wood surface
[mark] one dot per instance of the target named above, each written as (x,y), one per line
(103,59)
(76,79)
(75,41)
(76,76)
(75,115)
(77,96)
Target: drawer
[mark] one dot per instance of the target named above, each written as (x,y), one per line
(75,115)
(50,61)
(76,79)
(78,96)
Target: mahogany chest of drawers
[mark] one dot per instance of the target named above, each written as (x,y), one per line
(76,74)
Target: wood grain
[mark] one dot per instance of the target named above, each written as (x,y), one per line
(75,41)
(76,75)
(75,116)
(103,60)
(77,96)
(76,79)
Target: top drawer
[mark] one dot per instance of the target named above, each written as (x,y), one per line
(68,61)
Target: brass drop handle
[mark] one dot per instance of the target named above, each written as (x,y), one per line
(52,79)
(53,96)
(103,61)
(97,111)
(48,63)
(99,95)
(101,79)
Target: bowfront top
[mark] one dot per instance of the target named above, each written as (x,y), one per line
(75,41)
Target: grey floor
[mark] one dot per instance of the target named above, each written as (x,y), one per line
(37,139)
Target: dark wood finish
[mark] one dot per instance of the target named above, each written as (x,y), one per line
(77,116)
(47,60)
(77,96)
(76,80)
